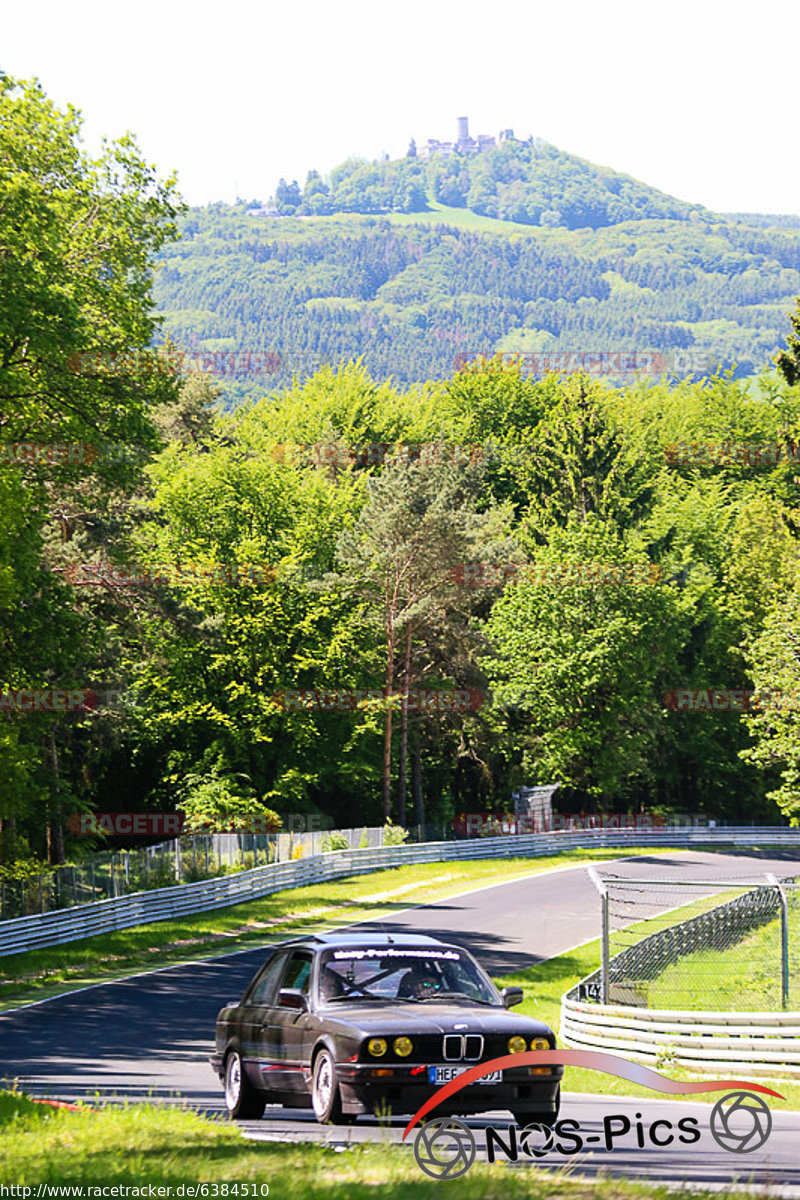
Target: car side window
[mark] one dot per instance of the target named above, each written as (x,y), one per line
(298,971)
(267,986)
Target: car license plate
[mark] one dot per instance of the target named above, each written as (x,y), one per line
(445,1074)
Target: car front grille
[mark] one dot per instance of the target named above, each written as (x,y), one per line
(462,1047)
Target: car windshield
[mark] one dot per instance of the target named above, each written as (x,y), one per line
(403,974)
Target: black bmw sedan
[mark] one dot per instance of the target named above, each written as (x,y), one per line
(359,1023)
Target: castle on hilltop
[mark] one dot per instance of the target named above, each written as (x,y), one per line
(464,144)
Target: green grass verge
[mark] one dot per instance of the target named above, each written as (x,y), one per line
(143,1144)
(744,977)
(39,974)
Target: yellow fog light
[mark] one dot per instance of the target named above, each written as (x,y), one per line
(402,1046)
(516,1045)
(540,1044)
(377,1046)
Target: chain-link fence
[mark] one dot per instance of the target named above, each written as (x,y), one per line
(704,945)
(188,859)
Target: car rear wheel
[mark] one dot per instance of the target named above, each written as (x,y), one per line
(243,1102)
(326,1099)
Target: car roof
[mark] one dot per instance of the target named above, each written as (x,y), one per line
(323,941)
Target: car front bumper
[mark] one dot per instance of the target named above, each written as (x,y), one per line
(366,1088)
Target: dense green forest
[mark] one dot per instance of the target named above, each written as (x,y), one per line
(270,552)
(472,264)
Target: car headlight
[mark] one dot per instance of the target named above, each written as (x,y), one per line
(376,1046)
(516,1045)
(540,1044)
(402,1046)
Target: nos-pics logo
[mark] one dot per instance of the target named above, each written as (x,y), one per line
(446,1148)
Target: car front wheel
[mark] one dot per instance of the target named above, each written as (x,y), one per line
(243,1102)
(538,1118)
(326,1099)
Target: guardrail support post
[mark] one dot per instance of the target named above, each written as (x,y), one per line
(604,952)
(784,940)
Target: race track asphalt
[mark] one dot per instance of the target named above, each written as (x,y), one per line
(149,1036)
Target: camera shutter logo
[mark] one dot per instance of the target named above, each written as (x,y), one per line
(740,1122)
(536,1139)
(445,1148)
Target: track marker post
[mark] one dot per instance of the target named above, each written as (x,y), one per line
(604,955)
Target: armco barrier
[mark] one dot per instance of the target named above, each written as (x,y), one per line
(756,1043)
(102,916)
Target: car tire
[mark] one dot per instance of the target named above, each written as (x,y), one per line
(242,1100)
(326,1099)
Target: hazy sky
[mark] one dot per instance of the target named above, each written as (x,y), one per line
(697,98)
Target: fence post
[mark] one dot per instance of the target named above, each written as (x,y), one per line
(177,861)
(603,890)
(773,880)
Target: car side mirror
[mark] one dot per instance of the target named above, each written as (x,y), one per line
(293,998)
(511,996)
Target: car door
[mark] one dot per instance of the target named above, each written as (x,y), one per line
(289,1026)
(260,1051)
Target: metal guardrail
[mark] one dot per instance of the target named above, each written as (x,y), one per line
(103,916)
(703,1042)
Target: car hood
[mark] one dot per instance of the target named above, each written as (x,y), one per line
(431,1018)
